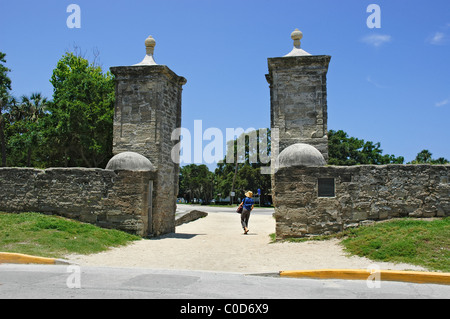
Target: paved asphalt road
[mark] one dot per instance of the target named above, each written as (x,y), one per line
(56,282)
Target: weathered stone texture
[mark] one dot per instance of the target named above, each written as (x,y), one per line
(109,199)
(147,111)
(298,93)
(362,193)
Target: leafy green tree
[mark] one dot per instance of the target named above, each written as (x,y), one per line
(196,181)
(79,125)
(344,150)
(244,173)
(19,122)
(24,132)
(441,160)
(425,157)
(5,87)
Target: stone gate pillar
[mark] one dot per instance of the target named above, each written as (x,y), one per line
(298,96)
(147,110)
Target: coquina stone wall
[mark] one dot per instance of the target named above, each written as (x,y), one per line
(361,194)
(106,198)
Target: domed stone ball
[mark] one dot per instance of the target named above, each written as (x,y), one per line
(150,42)
(301,155)
(296,35)
(130,161)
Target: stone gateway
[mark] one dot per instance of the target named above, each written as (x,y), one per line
(137,190)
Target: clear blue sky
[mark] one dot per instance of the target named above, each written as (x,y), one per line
(388,85)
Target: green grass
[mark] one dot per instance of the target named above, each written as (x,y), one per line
(418,242)
(52,236)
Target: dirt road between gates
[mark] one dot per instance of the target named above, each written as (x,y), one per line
(217,243)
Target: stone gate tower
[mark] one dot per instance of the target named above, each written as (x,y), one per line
(298,97)
(147,110)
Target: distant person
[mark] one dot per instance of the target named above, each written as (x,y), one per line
(247,204)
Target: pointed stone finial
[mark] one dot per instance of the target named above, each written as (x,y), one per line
(297,35)
(150,44)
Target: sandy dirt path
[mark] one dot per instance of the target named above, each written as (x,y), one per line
(217,243)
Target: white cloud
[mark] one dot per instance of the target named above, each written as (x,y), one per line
(376,40)
(378,85)
(438,38)
(442,103)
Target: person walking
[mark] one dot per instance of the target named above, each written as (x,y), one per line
(247,204)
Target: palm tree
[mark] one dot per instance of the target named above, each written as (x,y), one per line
(424,157)
(32,109)
(22,117)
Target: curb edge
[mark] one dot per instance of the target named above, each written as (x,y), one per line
(364,274)
(15,258)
